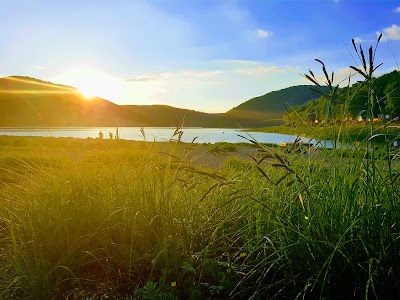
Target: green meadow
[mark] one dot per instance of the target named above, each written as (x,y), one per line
(115,219)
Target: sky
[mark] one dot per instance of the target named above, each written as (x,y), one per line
(206,55)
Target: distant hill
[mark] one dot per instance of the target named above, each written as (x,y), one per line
(273,105)
(163,115)
(26,101)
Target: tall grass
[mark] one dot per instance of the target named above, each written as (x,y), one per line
(110,219)
(340,239)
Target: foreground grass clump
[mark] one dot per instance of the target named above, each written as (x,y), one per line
(117,216)
(138,220)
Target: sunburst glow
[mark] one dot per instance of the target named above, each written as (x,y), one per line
(87,92)
(92,83)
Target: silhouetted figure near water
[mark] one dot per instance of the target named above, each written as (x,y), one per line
(101,135)
(111,135)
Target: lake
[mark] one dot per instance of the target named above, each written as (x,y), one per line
(158,134)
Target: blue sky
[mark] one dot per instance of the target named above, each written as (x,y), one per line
(207,55)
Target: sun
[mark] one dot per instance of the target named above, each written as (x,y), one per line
(87,93)
(92,83)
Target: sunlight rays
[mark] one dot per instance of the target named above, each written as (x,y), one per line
(26,85)
(70,91)
(92,83)
(83,81)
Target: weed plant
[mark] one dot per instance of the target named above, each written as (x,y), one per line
(339,240)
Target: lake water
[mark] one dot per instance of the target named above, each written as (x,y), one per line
(202,135)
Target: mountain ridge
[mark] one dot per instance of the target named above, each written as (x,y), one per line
(31,102)
(273,104)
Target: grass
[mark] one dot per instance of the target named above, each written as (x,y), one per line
(89,218)
(117,215)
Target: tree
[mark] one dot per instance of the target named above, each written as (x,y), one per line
(392,93)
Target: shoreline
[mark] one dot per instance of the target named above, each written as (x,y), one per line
(351,132)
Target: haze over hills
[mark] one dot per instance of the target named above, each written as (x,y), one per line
(26,101)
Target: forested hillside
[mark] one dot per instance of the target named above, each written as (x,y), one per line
(163,115)
(273,105)
(26,101)
(351,102)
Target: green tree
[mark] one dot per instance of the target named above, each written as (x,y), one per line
(392,93)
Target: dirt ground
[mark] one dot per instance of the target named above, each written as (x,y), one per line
(212,156)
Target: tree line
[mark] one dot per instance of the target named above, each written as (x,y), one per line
(350,102)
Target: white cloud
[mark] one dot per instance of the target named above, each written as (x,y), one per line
(358,40)
(245,71)
(149,77)
(341,77)
(39,68)
(203,75)
(214,90)
(258,70)
(241,62)
(365,39)
(397,10)
(390,33)
(263,34)
(196,74)
(174,75)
